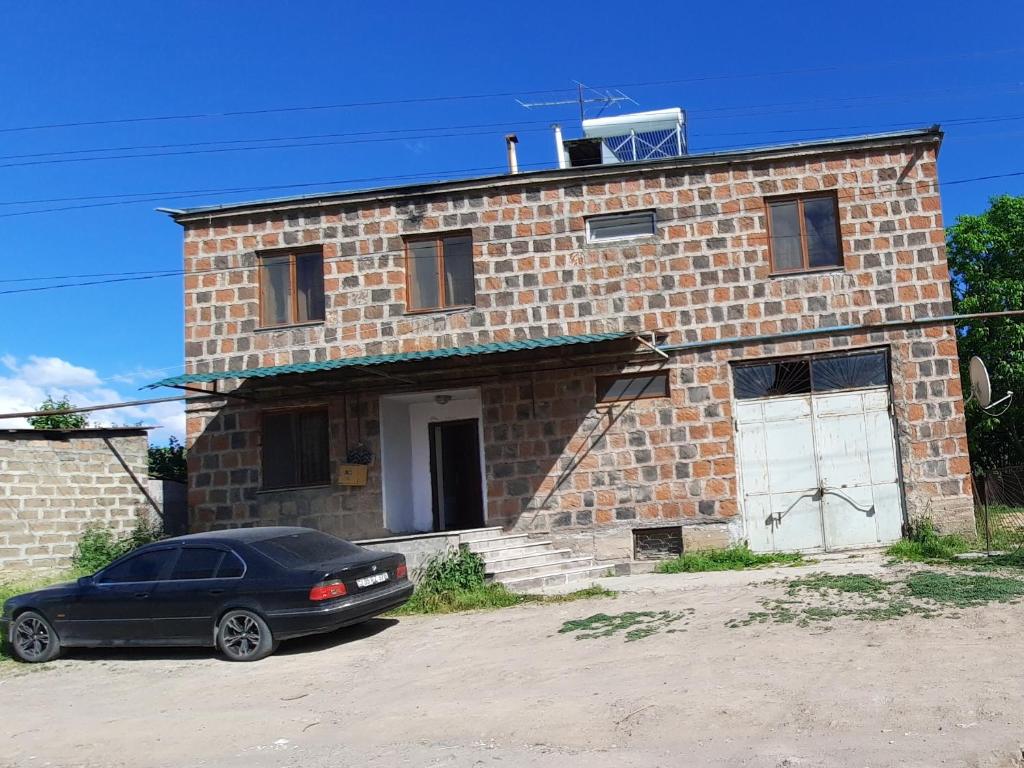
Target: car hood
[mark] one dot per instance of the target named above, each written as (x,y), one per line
(65,589)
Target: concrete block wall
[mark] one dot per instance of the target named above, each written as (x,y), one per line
(54,484)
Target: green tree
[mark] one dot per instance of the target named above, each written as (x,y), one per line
(986,260)
(58,420)
(168,461)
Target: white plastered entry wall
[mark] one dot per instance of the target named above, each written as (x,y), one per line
(819,471)
(405,452)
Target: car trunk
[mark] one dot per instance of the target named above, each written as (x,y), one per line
(361,573)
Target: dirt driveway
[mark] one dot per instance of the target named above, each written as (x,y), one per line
(507,688)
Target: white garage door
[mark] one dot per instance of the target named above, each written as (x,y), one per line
(818,469)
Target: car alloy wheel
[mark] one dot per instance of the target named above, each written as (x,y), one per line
(33,639)
(244,636)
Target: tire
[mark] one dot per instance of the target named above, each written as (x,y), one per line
(243,635)
(33,639)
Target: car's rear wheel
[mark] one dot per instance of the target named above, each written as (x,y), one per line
(243,635)
(33,639)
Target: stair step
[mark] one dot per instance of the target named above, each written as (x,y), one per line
(480,534)
(500,562)
(510,540)
(527,583)
(542,569)
(503,553)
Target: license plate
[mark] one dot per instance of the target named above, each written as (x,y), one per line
(368,581)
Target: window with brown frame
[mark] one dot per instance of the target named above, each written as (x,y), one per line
(291,288)
(632,386)
(439,272)
(295,449)
(804,233)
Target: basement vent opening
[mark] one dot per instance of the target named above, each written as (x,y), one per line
(657,543)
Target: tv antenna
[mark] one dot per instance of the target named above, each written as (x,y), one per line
(981,388)
(584,95)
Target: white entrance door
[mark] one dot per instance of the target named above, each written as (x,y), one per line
(818,471)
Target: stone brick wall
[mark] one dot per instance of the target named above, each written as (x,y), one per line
(54,484)
(555,462)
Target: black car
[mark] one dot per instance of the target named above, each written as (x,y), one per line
(241,590)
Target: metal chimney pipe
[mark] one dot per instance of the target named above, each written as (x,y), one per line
(559,146)
(510,144)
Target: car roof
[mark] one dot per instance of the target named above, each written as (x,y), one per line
(240,535)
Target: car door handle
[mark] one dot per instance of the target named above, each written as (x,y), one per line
(141,595)
(216,591)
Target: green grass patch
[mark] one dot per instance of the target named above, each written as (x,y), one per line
(634,625)
(844,582)
(925,544)
(964,590)
(453,581)
(736,558)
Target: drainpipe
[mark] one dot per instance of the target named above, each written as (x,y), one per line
(559,146)
(510,144)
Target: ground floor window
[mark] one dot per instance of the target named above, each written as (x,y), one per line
(295,448)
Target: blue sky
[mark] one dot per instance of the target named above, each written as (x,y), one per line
(748,73)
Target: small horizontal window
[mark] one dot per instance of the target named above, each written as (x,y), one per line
(820,374)
(618,226)
(613,389)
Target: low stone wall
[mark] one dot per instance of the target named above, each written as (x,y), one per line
(417,548)
(55,483)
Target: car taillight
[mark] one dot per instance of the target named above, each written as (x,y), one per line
(401,571)
(327,590)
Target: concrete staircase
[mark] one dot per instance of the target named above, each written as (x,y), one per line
(523,564)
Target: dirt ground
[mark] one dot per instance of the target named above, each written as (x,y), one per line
(506,688)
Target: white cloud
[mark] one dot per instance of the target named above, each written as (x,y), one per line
(32,380)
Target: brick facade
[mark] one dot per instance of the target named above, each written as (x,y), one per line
(556,461)
(54,484)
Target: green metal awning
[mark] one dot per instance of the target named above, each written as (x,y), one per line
(519,345)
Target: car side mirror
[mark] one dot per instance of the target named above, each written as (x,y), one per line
(84,580)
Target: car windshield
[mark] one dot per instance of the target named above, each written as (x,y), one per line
(299,549)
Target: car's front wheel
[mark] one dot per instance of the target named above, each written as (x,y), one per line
(33,639)
(243,635)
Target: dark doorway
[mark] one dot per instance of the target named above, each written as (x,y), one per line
(455,475)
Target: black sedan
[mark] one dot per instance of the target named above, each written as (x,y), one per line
(242,590)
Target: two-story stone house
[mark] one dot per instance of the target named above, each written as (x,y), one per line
(747,345)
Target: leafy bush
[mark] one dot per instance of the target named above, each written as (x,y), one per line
(453,581)
(99,546)
(452,570)
(168,462)
(57,420)
(735,558)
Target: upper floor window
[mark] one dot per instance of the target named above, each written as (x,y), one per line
(296,449)
(291,288)
(804,233)
(439,272)
(619,226)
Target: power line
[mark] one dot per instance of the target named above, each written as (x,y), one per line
(162,196)
(506,94)
(844,193)
(221,150)
(390,135)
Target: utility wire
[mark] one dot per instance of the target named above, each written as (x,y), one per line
(843,193)
(161,196)
(376,136)
(506,94)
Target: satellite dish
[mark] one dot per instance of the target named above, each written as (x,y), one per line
(981,387)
